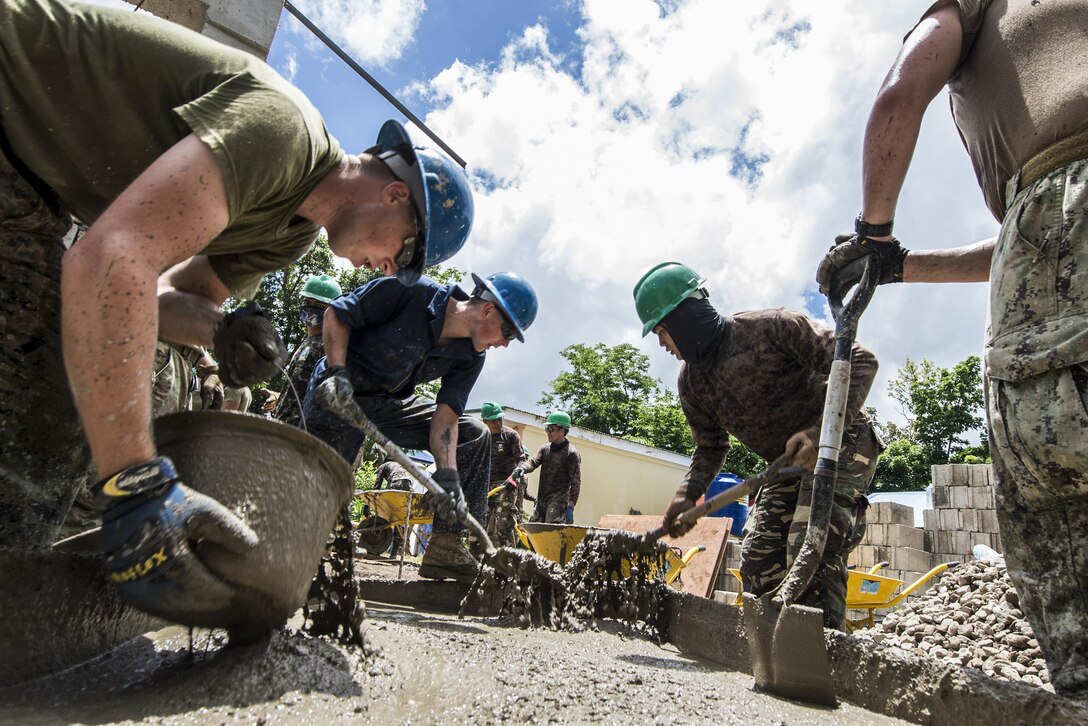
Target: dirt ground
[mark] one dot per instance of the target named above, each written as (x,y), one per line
(416,668)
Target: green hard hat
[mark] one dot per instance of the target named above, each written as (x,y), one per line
(559,418)
(321,287)
(661,289)
(490,411)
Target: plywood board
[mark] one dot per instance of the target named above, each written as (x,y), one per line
(699,576)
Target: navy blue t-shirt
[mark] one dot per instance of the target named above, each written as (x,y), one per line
(392,347)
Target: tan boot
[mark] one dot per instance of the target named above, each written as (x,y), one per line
(447,558)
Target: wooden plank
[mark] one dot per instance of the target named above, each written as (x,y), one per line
(701,574)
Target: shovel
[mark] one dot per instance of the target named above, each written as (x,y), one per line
(350,412)
(786,641)
(777,471)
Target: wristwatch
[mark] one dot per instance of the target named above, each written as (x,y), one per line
(866,229)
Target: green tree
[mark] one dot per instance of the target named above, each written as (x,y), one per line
(741,460)
(606,388)
(941,404)
(903,466)
(661,423)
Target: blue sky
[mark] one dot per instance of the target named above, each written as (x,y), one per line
(605,136)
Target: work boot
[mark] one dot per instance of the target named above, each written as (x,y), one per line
(447,558)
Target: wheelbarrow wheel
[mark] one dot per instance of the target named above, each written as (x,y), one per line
(375,535)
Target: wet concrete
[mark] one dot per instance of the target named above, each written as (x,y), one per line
(418,668)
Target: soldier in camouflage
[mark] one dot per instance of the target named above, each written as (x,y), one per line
(761,376)
(1015,74)
(504,509)
(317,293)
(560,473)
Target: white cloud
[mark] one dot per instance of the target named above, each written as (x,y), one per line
(373,32)
(638,154)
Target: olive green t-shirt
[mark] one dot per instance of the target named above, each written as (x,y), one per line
(91,96)
(1021,84)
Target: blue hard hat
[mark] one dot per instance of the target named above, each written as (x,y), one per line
(513,294)
(440,193)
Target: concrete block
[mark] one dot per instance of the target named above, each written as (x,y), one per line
(929,540)
(726,596)
(941,475)
(944,541)
(876,534)
(969,519)
(982,497)
(963,542)
(891,513)
(910,559)
(863,557)
(961,474)
(948,520)
(959,497)
(899,535)
(929,519)
(940,494)
(997,546)
(987,520)
(980,475)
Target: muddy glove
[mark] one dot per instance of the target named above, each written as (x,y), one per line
(685,498)
(844,263)
(149,524)
(451,507)
(517,473)
(248,347)
(800,451)
(211,388)
(336,388)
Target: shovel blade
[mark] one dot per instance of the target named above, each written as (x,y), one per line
(789,655)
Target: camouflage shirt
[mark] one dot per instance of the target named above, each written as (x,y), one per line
(506,453)
(298,371)
(392,475)
(766,383)
(560,471)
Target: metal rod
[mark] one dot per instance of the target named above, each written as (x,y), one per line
(372,81)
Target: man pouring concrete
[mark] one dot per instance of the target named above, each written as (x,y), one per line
(761,376)
(560,473)
(159,139)
(1017,76)
(504,509)
(384,339)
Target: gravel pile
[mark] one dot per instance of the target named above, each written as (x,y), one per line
(969,617)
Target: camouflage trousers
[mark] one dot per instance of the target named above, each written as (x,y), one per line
(503,515)
(44,457)
(777,525)
(552,510)
(1039,448)
(172,386)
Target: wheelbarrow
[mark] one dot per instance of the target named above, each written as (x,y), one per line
(389,509)
(866,590)
(556,542)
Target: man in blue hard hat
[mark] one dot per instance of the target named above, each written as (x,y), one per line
(199,169)
(383,340)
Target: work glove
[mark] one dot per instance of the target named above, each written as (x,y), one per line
(211,388)
(517,473)
(568,516)
(800,451)
(336,387)
(844,263)
(450,507)
(685,498)
(248,347)
(149,525)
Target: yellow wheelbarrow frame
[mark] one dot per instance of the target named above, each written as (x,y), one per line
(866,590)
(556,542)
(390,509)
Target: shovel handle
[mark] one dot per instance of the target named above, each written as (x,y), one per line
(350,411)
(777,470)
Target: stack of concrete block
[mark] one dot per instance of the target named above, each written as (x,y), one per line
(963,512)
(890,536)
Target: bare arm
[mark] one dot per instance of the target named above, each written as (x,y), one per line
(970,263)
(109,311)
(335,336)
(444,437)
(190,294)
(924,65)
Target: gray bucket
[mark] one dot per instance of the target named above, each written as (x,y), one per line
(285,484)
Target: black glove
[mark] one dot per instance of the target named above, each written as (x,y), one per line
(335,390)
(517,473)
(149,521)
(844,263)
(685,498)
(248,347)
(451,507)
